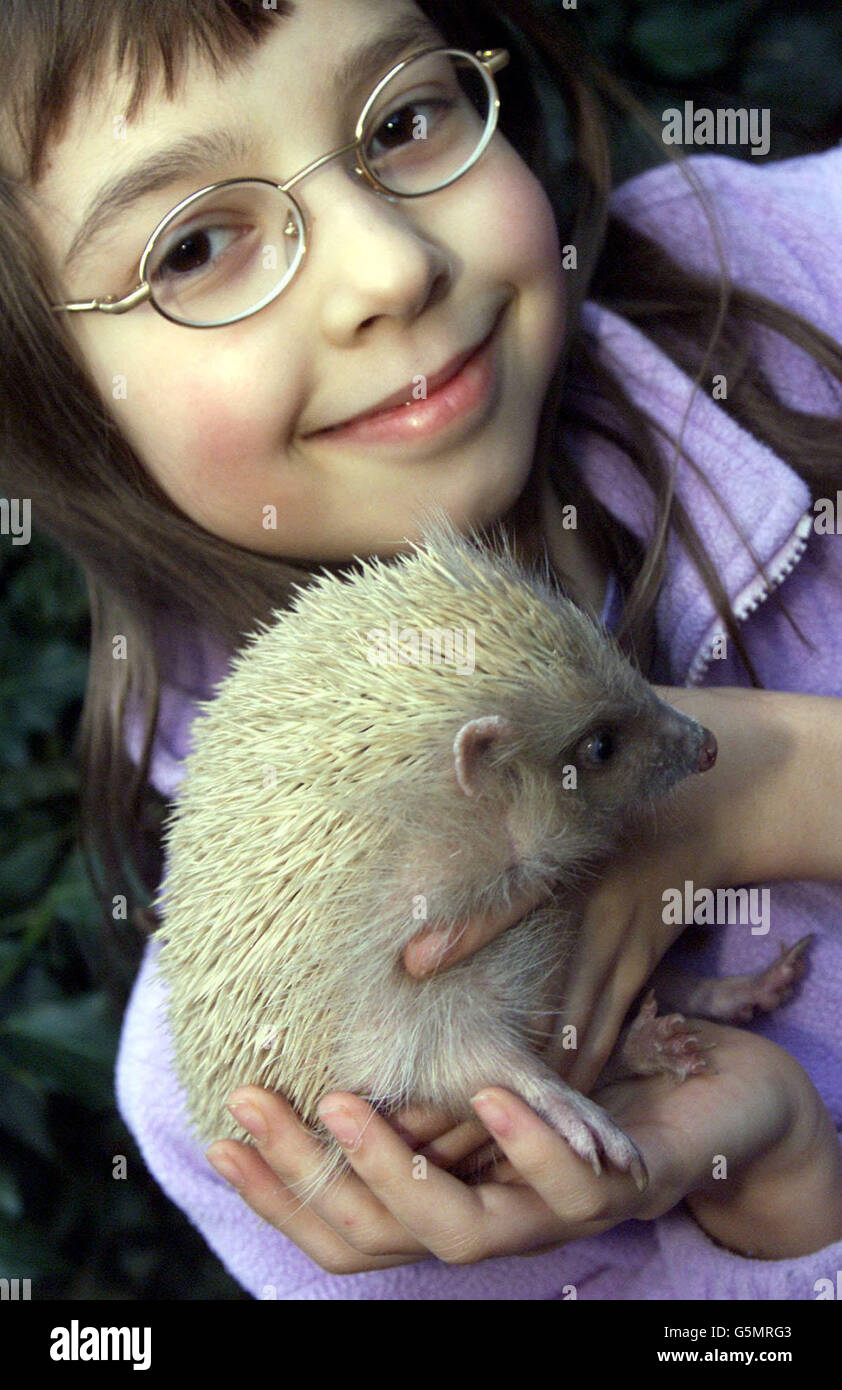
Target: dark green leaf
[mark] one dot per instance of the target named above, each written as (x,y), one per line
(25,868)
(71,896)
(38,782)
(48,589)
(789,66)
(34,695)
(71,1044)
(26,1253)
(685,42)
(11,1201)
(23,1116)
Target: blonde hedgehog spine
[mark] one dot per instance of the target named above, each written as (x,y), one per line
(326,795)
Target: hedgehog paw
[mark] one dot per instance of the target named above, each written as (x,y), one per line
(654,1045)
(592,1134)
(735,1000)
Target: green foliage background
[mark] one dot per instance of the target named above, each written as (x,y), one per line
(65,1222)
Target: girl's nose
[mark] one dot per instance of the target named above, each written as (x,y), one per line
(372,259)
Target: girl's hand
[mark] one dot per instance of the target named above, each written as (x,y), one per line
(759,1110)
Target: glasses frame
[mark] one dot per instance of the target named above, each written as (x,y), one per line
(487,62)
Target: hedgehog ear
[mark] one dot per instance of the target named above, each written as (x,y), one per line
(473,742)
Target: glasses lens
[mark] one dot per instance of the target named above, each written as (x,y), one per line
(428,123)
(226,253)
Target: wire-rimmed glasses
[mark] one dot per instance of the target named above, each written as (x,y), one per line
(229,249)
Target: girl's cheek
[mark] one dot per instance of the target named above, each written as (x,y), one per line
(520,247)
(519,216)
(204,436)
(189,394)
(222,465)
(224,428)
(211,434)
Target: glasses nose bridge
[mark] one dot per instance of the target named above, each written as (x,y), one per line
(319,163)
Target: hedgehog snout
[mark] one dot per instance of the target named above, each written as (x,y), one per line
(707,751)
(687,746)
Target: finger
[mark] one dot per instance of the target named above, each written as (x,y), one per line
(603,990)
(486,1161)
(419,1125)
(438,1139)
(589,1003)
(616,997)
(339,1219)
(444,1216)
(436,948)
(585,1203)
(462,1143)
(597,1036)
(264,1192)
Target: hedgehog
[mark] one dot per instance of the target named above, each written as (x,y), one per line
(418,740)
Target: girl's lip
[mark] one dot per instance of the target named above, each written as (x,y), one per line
(459,396)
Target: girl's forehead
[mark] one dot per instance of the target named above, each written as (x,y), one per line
(287,92)
(292,60)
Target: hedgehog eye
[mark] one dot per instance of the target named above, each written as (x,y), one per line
(597,748)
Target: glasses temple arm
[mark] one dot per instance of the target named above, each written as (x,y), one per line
(108,306)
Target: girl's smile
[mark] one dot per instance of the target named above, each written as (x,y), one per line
(462,395)
(264,415)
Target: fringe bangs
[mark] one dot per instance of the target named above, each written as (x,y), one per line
(51,54)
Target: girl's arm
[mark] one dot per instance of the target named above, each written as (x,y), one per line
(770,809)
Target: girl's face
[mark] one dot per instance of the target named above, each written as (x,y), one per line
(234,422)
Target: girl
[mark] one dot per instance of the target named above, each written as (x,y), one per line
(240,420)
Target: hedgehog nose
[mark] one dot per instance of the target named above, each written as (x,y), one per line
(707,751)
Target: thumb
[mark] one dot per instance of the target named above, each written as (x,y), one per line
(439,946)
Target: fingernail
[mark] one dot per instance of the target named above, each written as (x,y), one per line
(251,1119)
(227,1169)
(492,1114)
(342,1125)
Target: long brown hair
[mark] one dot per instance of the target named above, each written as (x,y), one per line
(149,568)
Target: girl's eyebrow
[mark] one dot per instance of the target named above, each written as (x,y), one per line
(187,157)
(196,153)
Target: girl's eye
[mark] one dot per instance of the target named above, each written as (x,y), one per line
(407,125)
(426,123)
(194,250)
(597,748)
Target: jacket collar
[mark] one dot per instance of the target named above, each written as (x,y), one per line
(768,501)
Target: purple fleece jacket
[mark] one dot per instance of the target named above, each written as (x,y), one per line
(781,227)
